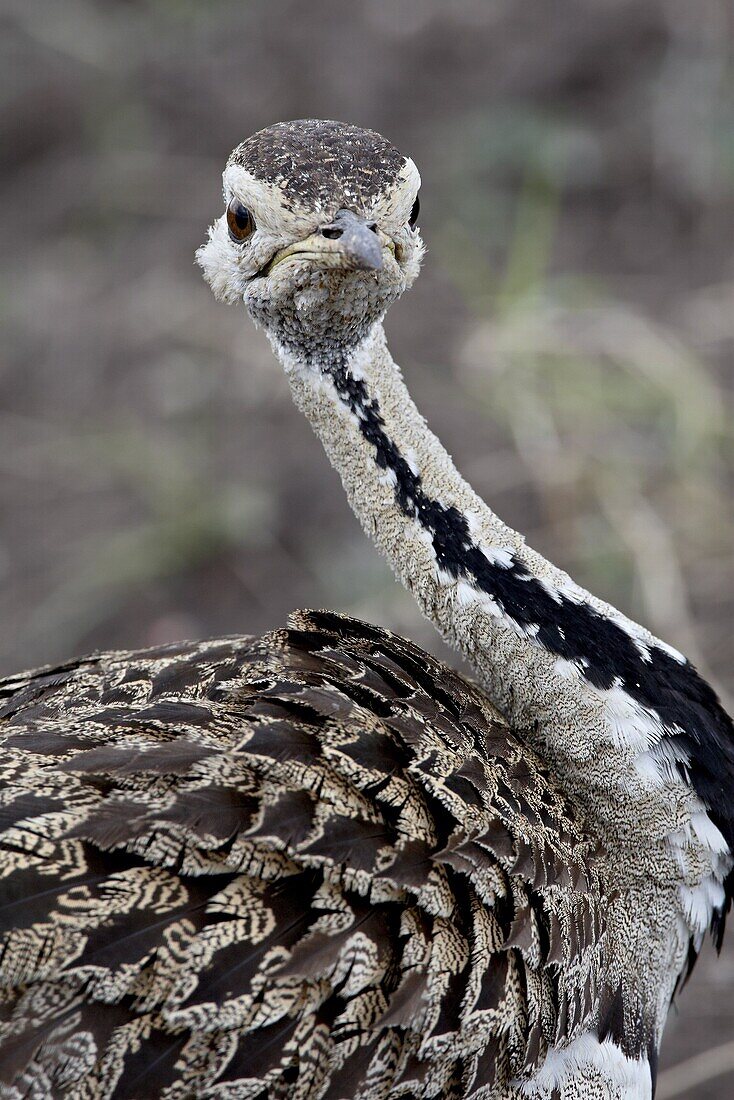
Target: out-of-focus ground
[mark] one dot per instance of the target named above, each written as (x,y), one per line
(570,339)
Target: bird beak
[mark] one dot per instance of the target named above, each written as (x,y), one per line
(358,240)
(348,241)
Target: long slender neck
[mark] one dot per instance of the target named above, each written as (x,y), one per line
(621,716)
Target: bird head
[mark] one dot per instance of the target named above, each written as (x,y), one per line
(319,232)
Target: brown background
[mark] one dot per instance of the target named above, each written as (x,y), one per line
(570,339)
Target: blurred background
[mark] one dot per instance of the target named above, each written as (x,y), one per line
(570,340)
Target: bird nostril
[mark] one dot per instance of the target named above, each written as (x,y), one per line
(333,232)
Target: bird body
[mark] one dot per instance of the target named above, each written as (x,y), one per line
(320,864)
(225,860)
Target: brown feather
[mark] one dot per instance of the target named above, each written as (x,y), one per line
(277,860)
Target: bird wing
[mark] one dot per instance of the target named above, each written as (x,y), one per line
(317,863)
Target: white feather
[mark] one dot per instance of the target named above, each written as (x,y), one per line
(630,1077)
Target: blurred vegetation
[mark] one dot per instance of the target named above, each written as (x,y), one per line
(570,339)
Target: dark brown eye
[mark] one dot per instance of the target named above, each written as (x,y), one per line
(413,219)
(240,221)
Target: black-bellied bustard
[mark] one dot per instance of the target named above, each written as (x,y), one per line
(319,863)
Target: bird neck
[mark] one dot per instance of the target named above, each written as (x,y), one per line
(624,720)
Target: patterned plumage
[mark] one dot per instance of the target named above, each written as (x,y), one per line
(319,864)
(253,867)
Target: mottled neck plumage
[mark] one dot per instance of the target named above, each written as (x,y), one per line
(627,722)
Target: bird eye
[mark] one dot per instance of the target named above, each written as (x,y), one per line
(413,219)
(240,221)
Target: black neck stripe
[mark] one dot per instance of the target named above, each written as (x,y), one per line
(685,704)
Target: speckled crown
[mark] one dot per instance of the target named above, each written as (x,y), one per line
(313,161)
